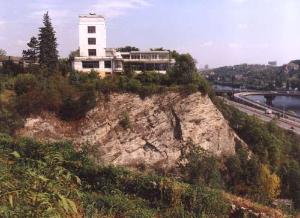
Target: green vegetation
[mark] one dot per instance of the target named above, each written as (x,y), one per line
(44,180)
(273,168)
(125,120)
(2,52)
(48,54)
(258,76)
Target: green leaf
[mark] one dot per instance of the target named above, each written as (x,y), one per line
(43,178)
(10,198)
(78,180)
(72,205)
(16,154)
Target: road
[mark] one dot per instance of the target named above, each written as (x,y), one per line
(284,123)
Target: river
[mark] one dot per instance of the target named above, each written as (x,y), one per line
(288,103)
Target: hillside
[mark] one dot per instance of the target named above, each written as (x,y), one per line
(53,180)
(128,131)
(258,76)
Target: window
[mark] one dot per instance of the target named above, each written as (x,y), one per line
(92,52)
(91,29)
(107,64)
(92,41)
(90,64)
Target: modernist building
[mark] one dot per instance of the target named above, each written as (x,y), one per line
(94,54)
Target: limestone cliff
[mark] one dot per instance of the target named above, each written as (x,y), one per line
(159,128)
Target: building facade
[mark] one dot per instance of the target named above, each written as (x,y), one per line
(94,54)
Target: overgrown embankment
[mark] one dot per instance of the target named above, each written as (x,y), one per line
(42,180)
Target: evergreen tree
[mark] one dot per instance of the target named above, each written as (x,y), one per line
(48,56)
(31,55)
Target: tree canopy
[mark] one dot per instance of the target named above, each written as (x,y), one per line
(48,56)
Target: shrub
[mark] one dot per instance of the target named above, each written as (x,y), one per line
(76,108)
(10,120)
(125,120)
(25,83)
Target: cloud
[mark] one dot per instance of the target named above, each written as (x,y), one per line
(242,26)
(207,44)
(21,42)
(236,45)
(38,9)
(116,8)
(240,1)
(2,24)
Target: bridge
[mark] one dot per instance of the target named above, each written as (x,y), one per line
(268,95)
(240,101)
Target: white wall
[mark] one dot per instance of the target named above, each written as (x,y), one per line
(100,35)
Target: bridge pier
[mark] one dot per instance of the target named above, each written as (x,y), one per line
(269,99)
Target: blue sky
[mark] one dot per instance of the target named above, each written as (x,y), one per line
(215,32)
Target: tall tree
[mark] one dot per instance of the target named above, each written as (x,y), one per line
(2,52)
(48,56)
(31,55)
(184,69)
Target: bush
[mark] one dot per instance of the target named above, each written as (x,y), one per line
(125,120)
(10,120)
(45,180)
(25,83)
(73,109)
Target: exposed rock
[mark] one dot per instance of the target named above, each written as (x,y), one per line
(159,127)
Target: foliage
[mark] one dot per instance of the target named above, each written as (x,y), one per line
(73,54)
(201,167)
(31,55)
(25,83)
(184,69)
(272,168)
(10,68)
(127,49)
(10,120)
(48,54)
(54,93)
(125,120)
(270,183)
(39,180)
(2,52)
(33,181)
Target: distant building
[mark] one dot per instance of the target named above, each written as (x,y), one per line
(206,67)
(12,59)
(272,63)
(94,54)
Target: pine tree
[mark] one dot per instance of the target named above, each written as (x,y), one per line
(31,55)
(48,56)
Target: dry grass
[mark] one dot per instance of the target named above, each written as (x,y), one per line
(257,208)
(6,96)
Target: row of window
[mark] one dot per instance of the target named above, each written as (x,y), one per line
(95,64)
(146,57)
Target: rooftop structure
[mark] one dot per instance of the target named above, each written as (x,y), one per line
(94,54)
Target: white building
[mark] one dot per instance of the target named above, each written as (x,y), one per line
(94,54)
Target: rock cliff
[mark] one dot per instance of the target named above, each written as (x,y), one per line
(158,128)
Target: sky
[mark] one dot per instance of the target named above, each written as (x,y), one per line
(214,32)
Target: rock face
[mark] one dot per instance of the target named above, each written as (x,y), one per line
(159,127)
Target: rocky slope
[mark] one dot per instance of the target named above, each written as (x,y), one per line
(160,127)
